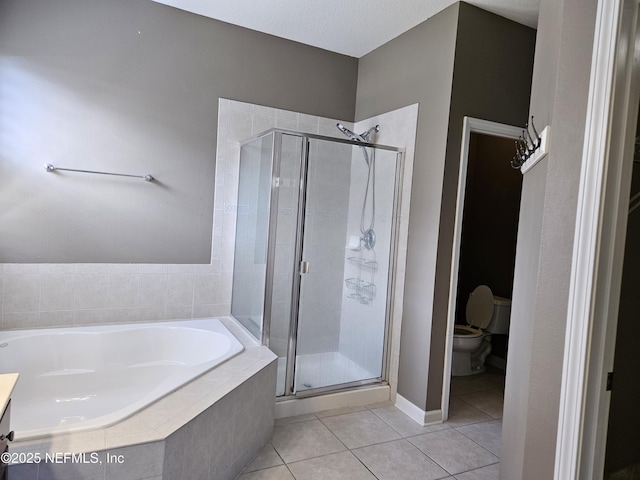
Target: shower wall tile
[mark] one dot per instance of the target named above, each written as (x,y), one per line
(398,129)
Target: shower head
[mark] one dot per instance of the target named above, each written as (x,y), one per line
(349,133)
(366,134)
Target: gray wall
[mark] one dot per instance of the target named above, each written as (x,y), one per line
(416,67)
(492,81)
(132,87)
(545,241)
(489,79)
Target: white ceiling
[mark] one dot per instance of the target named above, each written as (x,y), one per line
(350,27)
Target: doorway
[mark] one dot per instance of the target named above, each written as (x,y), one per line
(485,230)
(622,457)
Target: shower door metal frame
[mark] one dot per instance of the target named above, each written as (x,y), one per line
(292,344)
(276,158)
(391,277)
(276,153)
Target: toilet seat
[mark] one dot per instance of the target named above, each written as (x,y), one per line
(480,307)
(466,331)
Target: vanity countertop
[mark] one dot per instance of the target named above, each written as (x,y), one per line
(7,382)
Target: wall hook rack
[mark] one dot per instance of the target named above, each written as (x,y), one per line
(531,147)
(50,168)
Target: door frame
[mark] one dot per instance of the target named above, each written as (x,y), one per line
(485,127)
(598,251)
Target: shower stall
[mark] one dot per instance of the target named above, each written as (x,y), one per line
(314,256)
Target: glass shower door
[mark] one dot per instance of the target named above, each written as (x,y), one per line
(344,273)
(252,233)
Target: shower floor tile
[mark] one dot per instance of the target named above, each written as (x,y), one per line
(320,370)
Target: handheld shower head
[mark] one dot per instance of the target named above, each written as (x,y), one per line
(363,137)
(349,133)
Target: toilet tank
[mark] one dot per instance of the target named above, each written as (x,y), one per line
(499,323)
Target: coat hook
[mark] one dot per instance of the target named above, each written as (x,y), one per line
(535,132)
(529,142)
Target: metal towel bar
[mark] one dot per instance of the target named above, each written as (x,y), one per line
(51,168)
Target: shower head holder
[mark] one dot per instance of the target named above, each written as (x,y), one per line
(369,239)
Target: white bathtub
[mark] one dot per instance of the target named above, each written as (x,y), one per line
(83,378)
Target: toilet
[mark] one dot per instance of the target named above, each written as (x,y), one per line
(486,314)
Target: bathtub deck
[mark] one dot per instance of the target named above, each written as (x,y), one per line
(150,427)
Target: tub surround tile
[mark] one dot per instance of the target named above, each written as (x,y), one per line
(81,442)
(151,291)
(91,290)
(25,471)
(54,318)
(56,292)
(22,268)
(139,462)
(174,454)
(138,430)
(21,293)
(72,471)
(20,320)
(89,317)
(122,290)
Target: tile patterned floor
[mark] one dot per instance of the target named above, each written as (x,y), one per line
(380,442)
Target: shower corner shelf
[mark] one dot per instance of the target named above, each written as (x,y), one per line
(361,262)
(363,291)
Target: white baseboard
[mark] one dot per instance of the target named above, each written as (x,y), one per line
(418,415)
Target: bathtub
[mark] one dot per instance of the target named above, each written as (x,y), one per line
(83,378)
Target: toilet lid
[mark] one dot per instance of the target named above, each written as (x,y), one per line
(480,307)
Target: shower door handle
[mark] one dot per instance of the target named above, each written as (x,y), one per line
(304,268)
